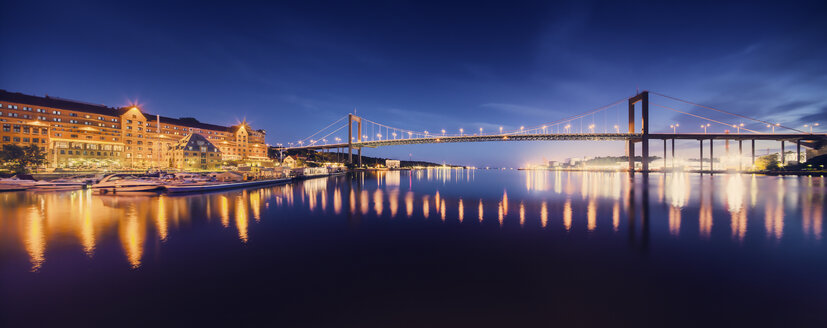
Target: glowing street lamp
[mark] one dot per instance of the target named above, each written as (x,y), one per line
(811,126)
(705,126)
(673,126)
(773,126)
(394,135)
(409,134)
(480,131)
(617,128)
(501,130)
(738,127)
(591,128)
(567,127)
(460,132)
(426,133)
(521,128)
(443,132)
(544,129)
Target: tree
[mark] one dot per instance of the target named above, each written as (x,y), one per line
(768,162)
(20,158)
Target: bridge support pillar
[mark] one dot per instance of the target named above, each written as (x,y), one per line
(673,153)
(643,98)
(798,151)
(664,155)
(740,153)
(783,159)
(630,151)
(711,157)
(701,158)
(350,119)
(753,152)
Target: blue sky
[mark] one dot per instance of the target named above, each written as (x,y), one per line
(292,68)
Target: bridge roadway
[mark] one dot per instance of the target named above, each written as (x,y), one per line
(810,140)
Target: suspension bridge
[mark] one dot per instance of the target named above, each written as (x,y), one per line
(351,131)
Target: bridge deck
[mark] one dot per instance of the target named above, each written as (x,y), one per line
(573,137)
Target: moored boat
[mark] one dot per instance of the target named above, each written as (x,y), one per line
(117,183)
(61,184)
(18,181)
(210,186)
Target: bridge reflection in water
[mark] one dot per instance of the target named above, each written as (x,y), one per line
(674,206)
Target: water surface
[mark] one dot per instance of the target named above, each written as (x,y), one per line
(440,247)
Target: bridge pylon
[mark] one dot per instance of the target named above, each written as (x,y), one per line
(350,119)
(643,99)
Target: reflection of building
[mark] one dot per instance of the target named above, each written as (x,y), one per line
(392,163)
(194,152)
(83,135)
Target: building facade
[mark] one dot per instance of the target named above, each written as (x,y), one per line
(194,152)
(82,135)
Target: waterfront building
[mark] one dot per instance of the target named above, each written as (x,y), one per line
(392,163)
(194,152)
(83,135)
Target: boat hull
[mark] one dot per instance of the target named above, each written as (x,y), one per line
(184,188)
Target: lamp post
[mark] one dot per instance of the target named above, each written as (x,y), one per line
(544,129)
(674,128)
(705,126)
(617,128)
(521,129)
(811,126)
(773,126)
(591,128)
(480,131)
(443,132)
(501,130)
(394,135)
(460,132)
(567,127)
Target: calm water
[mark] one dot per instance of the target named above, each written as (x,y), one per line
(428,248)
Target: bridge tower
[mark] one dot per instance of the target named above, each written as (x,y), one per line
(350,119)
(643,99)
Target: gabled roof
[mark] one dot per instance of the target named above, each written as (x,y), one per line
(195,141)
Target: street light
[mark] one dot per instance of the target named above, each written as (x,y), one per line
(773,126)
(567,127)
(544,129)
(394,135)
(521,128)
(591,128)
(811,126)
(409,134)
(617,128)
(443,132)
(673,126)
(480,131)
(705,126)
(379,136)
(460,132)
(501,130)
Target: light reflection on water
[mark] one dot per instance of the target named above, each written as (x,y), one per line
(682,205)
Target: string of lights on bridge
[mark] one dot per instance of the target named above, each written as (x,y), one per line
(607,119)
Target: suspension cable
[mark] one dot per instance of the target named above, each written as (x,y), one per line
(317,132)
(704,118)
(725,112)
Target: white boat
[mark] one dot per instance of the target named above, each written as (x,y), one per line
(60,184)
(16,181)
(9,187)
(210,186)
(123,183)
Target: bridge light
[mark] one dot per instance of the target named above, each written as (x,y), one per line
(443,132)
(501,130)
(460,132)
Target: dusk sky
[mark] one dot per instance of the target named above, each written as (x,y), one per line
(292,68)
